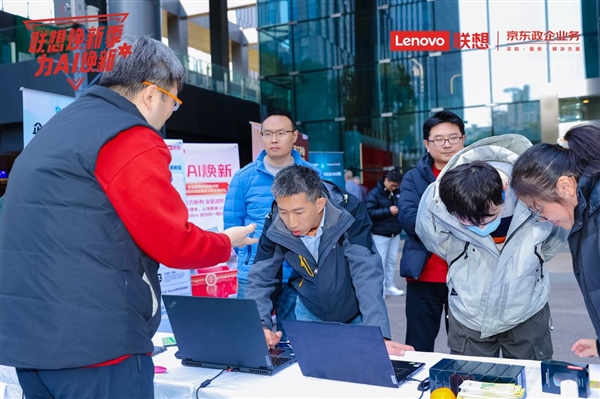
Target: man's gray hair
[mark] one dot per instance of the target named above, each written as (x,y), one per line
(150,60)
(297,179)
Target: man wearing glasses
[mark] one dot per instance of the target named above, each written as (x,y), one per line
(88,214)
(249,200)
(495,248)
(426,290)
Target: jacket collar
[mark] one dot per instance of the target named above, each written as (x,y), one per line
(261,159)
(336,223)
(588,194)
(424,167)
(117,100)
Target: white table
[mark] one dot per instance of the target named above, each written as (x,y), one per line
(181,382)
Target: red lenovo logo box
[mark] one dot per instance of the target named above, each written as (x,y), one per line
(420,40)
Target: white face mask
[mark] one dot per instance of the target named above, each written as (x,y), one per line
(487,229)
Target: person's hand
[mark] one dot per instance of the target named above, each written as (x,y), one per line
(396,348)
(272,338)
(239,235)
(585,347)
(394,210)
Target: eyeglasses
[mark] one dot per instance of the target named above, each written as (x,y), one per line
(538,213)
(440,142)
(177,101)
(267,134)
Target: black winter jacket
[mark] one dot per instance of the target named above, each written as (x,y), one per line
(347,279)
(414,184)
(378,205)
(78,293)
(584,243)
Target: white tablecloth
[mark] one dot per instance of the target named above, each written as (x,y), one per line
(181,382)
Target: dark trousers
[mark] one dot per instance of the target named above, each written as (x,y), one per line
(425,304)
(529,340)
(133,378)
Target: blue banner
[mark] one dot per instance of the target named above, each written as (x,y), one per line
(331,164)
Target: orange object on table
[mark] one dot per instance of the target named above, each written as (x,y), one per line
(442,393)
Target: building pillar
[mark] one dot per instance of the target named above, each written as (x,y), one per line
(239,55)
(219,33)
(143,19)
(177,34)
(549,113)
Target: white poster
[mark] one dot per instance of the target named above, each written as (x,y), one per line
(208,172)
(38,108)
(174,281)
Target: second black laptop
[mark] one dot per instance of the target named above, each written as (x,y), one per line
(346,352)
(223,333)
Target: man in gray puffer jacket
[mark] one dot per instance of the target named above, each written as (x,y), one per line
(495,248)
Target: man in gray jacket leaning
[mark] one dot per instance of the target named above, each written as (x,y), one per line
(325,236)
(495,248)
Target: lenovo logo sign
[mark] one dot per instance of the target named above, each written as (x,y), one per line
(420,41)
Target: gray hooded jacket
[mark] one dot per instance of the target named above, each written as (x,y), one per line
(491,290)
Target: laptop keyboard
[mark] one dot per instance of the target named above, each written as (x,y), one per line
(278,360)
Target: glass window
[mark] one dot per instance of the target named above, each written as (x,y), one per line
(359,94)
(478,123)
(303,10)
(475,77)
(411,15)
(518,74)
(275,52)
(323,43)
(323,136)
(515,24)
(472,16)
(276,93)
(518,118)
(397,93)
(449,81)
(579,109)
(272,12)
(316,96)
(566,62)
(407,133)
(446,15)
(423,80)
(567,57)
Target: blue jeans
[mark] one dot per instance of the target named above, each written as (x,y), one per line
(302,313)
(286,304)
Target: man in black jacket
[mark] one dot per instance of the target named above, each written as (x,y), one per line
(382,206)
(426,290)
(325,236)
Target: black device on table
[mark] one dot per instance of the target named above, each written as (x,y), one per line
(347,352)
(223,333)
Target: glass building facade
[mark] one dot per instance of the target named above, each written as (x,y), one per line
(329,62)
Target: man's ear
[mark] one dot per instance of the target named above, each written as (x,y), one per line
(321,203)
(426,144)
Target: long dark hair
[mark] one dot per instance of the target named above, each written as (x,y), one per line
(537,170)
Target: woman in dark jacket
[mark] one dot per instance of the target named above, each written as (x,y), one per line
(561,183)
(382,205)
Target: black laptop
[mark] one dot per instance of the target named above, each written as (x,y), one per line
(223,333)
(346,352)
